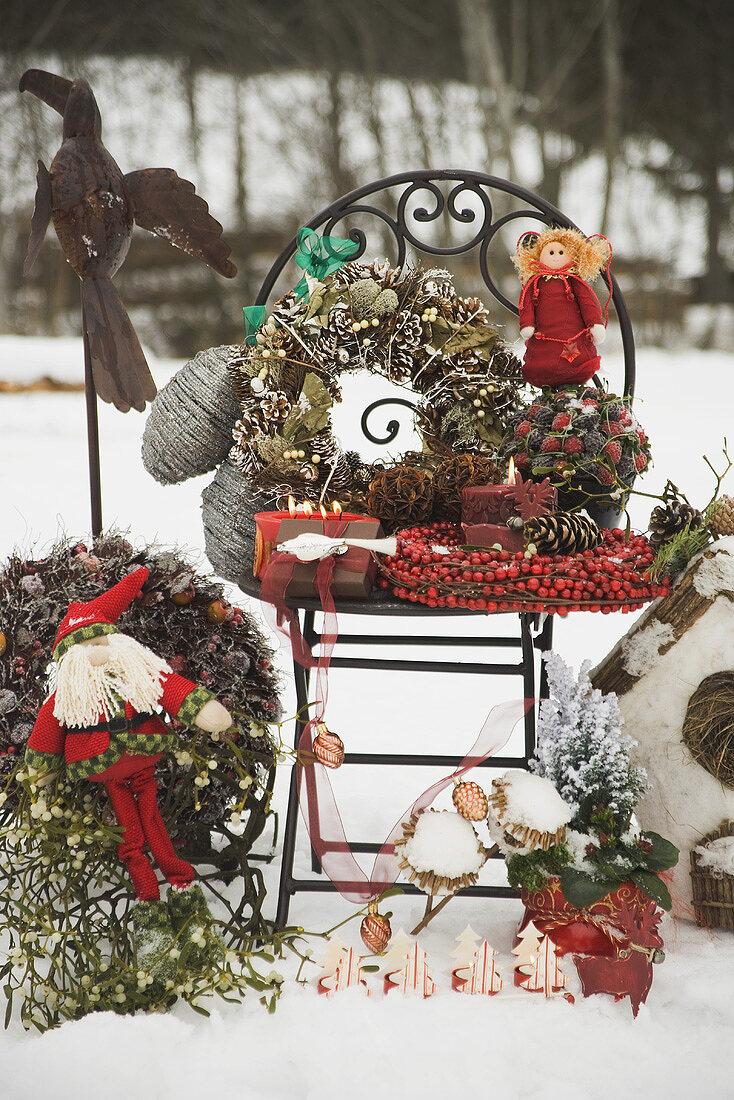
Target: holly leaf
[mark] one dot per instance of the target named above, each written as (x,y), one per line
(303,423)
(581,889)
(652,887)
(663,855)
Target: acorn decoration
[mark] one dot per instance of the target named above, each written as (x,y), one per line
(327,747)
(375,930)
(667,520)
(723,520)
(562,533)
(470,800)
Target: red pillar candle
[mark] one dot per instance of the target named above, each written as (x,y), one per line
(493,514)
(268,526)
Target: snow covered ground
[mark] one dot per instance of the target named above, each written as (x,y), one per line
(519,1045)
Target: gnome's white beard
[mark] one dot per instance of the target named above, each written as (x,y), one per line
(85,691)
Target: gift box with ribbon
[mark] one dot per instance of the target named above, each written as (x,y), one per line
(353,572)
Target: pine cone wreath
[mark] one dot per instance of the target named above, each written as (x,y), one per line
(401,497)
(723,521)
(667,520)
(454,474)
(562,533)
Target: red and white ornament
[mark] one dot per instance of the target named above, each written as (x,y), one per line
(375,930)
(470,800)
(327,747)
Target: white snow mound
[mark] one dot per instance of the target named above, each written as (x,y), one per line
(534,802)
(444,842)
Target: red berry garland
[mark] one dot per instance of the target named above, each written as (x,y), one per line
(431,568)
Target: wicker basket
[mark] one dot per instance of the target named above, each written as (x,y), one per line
(713,896)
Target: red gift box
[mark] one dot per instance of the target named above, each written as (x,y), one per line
(354,571)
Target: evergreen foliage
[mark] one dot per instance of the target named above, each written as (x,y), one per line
(581,747)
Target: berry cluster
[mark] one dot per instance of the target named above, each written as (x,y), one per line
(580,433)
(431,568)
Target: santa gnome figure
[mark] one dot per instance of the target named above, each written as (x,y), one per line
(101,723)
(561,320)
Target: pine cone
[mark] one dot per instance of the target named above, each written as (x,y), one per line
(275,405)
(562,533)
(400,496)
(455,474)
(723,521)
(668,519)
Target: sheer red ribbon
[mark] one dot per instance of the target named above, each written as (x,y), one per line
(326,830)
(316,796)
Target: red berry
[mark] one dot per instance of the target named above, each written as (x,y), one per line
(573,446)
(640,463)
(614,450)
(549,444)
(523,429)
(560,421)
(533,411)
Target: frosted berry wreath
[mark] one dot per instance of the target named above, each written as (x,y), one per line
(411,327)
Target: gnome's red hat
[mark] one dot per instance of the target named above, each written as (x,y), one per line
(91,620)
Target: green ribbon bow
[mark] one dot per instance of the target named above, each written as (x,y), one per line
(319,256)
(254,317)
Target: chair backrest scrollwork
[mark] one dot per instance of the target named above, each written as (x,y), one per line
(391,200)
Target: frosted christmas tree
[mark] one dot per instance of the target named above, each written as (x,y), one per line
(581,747)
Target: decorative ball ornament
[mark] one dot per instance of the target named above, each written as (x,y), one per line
(327,747)
(375,930)
(470,800)
(216,612)
(184,597)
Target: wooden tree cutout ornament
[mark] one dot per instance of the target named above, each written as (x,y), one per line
(341,969)
(93,207)
(408,970)
(537,968)
(479,974)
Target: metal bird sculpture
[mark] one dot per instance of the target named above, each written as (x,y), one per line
(93,207)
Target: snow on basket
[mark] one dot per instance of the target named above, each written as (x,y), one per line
(441,851)
(712,878)
(526,812)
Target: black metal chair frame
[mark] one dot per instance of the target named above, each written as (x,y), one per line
(534,634)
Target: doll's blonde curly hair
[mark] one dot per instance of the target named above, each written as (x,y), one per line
(590,254)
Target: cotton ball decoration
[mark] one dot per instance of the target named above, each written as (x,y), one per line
(441,851)
(526,812)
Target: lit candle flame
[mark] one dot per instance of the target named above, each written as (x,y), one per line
(307,508)
(292,507)
(336,508)
(511,472)
(323,511)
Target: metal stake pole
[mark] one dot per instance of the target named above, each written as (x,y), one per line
(95,482)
